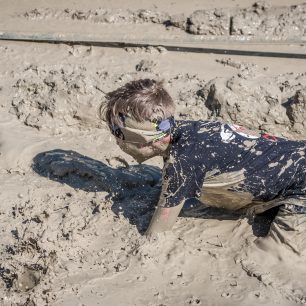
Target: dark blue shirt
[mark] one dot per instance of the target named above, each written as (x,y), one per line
(223,160)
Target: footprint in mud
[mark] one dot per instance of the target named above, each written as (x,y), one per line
(193,301)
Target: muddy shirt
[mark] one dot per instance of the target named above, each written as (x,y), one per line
(231,167)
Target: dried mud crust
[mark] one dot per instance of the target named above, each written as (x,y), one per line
(260,20)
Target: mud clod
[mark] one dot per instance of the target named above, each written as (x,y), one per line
(57,98)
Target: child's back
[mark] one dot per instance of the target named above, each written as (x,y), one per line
(232,167)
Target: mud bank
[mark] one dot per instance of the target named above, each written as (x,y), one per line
(71,97)
(260,21)
(275,105)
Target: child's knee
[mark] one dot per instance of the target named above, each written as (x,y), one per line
(289,228)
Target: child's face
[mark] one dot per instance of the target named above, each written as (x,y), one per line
(142,152)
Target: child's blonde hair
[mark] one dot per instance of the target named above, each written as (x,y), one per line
(144,99)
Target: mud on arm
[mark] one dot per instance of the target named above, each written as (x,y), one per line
(164,219)
(167,211)
(180,181)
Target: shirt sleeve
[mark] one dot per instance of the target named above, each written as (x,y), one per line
(182,179)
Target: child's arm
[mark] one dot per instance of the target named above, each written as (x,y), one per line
(167,209)
(180,181)
(163,219)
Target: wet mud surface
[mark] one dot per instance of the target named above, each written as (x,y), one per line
(73,207)
(80,220)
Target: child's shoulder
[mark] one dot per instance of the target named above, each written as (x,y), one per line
(194,132)
(197,127)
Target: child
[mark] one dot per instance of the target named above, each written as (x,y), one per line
(225,165)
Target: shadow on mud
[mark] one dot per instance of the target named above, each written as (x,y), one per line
(134,190)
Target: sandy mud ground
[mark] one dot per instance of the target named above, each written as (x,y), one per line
(73,207)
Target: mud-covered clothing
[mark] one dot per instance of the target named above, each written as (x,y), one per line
(289,227)
(231,167)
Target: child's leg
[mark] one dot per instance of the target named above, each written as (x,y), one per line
(278,260)
(289,227)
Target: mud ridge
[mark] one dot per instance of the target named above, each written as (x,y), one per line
(260,21)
